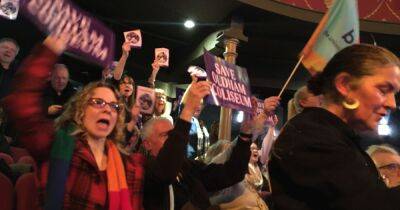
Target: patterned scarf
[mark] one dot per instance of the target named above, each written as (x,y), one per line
(60,158)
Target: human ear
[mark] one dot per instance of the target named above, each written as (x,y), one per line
(343,84)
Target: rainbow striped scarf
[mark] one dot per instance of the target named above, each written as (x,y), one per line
(60,158)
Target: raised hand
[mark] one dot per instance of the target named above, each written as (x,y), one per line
(54,109)
(197,91)
(270,104)
(126,48)
(56,43)
(155,66)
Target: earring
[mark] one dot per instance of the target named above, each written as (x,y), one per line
(352,105)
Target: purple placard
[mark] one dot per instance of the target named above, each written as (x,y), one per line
(88,38)
(230,84)
(260,106)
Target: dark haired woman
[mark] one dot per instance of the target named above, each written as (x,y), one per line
(317,162)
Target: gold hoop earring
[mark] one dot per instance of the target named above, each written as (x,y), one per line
(354,105)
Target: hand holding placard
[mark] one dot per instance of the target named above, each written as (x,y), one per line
(126,49)
(270,104)
(57,44)
(195,93)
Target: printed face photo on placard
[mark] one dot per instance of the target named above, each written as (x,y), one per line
(162,56)
(9,9)
(134,38)
(145,102)
(145,99)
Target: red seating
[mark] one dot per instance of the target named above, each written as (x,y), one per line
(17,153)
(7,158)
(27,160)
(26,192)
(6,193)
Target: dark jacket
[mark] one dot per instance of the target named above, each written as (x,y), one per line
(52,98)
(196,179)
(317,163)
(6,77)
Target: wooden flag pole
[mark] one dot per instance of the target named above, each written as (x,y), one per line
(291,75)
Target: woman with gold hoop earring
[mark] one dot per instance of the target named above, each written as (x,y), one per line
(317,162)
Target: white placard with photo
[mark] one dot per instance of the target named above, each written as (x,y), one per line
(162,56)
(134,38)
(9,9)
(145,98)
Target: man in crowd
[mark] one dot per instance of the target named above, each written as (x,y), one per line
(8,51)
(387,160)
(59,91)
(174,181)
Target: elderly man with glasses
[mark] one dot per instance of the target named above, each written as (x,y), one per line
(387,160)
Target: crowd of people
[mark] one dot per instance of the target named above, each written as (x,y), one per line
(94,149)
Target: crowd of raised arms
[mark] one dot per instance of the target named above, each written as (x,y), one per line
(92,147)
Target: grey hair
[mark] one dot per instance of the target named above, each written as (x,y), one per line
(301,94)
(148,126)
(219,152)
(384,148)
(60,66)
(7,39)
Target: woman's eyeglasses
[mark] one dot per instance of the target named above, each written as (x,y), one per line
(100,103)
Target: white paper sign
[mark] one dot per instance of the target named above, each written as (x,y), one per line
(134,38)
(197,71)
(145,98)
(162,56)
(9,9)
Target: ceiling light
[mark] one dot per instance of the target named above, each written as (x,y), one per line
(189,24)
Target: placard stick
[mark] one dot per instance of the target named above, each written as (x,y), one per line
(290,77)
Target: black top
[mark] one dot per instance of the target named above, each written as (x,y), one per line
(317,163)
(195,178)
(52,98)
(6,77)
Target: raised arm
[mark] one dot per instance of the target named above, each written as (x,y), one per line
(154,71)
(270,105)
(119,69)
(171,156)
(24,104)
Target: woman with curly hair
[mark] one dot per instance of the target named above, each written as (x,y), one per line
(78,159)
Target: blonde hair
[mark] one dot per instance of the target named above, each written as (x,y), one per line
(294,105)
(75,110)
